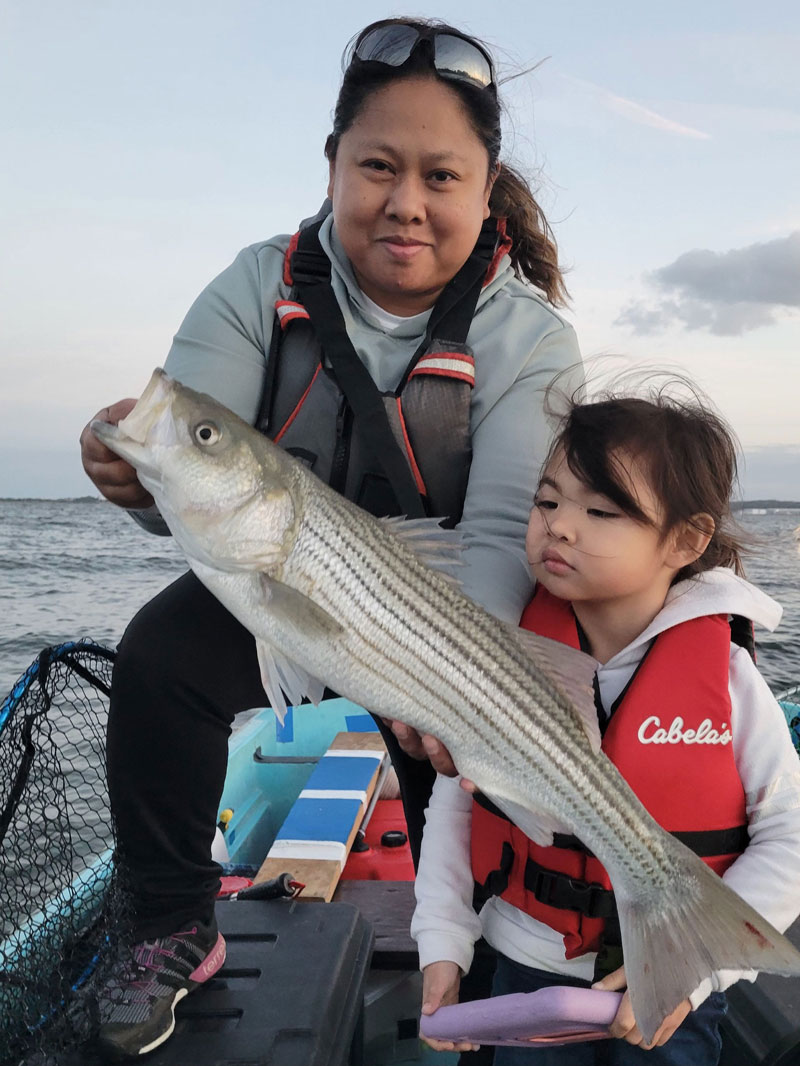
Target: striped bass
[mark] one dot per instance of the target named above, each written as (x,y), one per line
(336,597)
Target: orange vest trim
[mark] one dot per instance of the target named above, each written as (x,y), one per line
(670,738)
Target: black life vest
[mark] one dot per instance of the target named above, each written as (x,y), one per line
(402,452)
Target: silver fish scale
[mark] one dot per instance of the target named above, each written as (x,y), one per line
(414,642)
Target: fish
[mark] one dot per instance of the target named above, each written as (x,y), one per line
(373,609)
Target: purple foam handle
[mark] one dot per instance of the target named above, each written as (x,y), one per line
(560,1014)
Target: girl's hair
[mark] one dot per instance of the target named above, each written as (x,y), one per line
(687,453)
(533,250)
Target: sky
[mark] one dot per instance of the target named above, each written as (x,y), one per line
(145,144)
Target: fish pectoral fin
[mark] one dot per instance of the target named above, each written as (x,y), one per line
(297,611)
(571,670)
(534,824)
(438,548)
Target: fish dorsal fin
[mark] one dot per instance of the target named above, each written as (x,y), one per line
(281,676)
(438,548)
(572,671)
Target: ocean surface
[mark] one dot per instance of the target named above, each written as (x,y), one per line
(82,568)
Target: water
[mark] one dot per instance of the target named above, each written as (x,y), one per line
(71,569)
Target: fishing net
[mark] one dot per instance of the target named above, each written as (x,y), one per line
(62,911)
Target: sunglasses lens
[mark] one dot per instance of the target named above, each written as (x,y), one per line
(388,44)
(461,59)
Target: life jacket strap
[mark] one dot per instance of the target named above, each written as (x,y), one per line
(311,273)
(497,880)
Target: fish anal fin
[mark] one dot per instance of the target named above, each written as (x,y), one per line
(534,824)
(572,671)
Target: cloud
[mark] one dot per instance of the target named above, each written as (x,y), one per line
(629,109)
(726,293)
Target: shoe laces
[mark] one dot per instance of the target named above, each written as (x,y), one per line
(141,970)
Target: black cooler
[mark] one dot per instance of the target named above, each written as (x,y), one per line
(762,1027)
(291,992)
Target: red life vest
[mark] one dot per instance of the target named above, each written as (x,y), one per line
(669,736)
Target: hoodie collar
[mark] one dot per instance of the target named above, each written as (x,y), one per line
(717,591)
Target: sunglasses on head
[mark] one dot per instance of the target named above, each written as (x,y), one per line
(453,57)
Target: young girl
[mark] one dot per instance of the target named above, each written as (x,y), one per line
(634,563)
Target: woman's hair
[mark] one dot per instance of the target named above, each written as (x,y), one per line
(686,451)
(533,250)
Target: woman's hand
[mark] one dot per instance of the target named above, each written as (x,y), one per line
(440,983)
(424,746)
(625,1028)
(114,477)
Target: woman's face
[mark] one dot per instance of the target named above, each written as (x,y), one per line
(410,187)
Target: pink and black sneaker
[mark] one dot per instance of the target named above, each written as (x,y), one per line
(137,1008)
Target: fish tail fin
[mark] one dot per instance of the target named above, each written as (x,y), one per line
(670,945)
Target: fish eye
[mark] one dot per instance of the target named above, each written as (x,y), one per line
(206,433)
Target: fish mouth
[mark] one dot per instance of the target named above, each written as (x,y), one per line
(147,422)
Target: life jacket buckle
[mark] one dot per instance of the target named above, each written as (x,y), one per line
(588,898)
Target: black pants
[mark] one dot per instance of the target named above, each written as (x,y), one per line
(185,668)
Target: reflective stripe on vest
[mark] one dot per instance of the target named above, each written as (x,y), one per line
(670,738)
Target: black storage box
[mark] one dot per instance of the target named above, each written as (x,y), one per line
(291,992)
(762,1027)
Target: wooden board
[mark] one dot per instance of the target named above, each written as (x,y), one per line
(315,839)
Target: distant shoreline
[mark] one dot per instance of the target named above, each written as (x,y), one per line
(52,499)
(737,505)
(770,505)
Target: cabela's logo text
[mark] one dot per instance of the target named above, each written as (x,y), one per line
(652,732)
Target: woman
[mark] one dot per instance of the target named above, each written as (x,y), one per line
(339,344)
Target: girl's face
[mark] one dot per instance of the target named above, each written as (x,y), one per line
(410,188)
(582,548)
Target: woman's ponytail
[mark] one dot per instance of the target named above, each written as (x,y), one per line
(533,248)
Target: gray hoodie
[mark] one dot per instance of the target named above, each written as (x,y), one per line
(520,344)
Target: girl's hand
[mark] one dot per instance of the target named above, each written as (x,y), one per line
(440,982)
(114,477)
(625,1028)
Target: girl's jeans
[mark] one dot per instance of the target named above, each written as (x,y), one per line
(696,1043)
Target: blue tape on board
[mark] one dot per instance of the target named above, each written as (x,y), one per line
(337,772)
(361,723)
(284,734)
(320,819)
